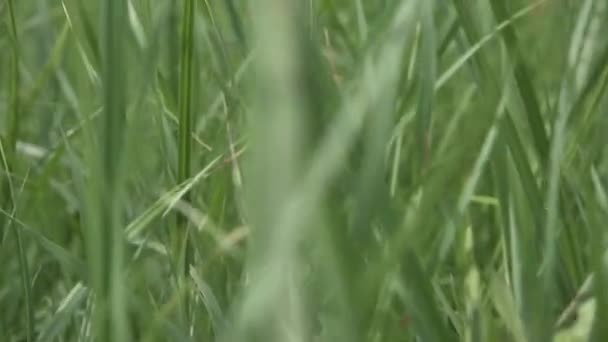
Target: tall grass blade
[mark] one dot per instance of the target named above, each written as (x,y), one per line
(524,83)
(8,149)
(105,242)
(180,242)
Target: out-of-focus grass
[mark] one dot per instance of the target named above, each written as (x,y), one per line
(319,170)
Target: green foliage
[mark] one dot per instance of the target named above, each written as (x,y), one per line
(303,170)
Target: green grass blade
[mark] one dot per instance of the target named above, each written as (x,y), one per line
(184,159)
(210,301)
(49,68)
(427,68)
(104,233)
(524,82)
(419,297)
(8,194)
(63,256)
(56,325)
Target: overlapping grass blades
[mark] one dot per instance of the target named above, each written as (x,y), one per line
(318,170)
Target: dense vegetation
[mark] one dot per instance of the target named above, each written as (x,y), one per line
(303,170)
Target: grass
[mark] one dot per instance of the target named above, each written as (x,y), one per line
(316,170)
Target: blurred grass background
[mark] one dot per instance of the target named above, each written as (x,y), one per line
(303,170)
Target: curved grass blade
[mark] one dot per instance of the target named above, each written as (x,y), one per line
(165,203)
(210,301)
(474,49)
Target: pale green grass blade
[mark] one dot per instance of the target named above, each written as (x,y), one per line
(82,26)
(210,301)
(69,306)
(136,228)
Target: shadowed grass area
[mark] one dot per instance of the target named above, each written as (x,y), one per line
(317,170)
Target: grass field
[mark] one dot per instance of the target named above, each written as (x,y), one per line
(303,170)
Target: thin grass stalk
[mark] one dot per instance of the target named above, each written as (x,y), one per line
(25,276)
(173,51)
(15,104)
(180,235)
(427,69)
(8,152)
